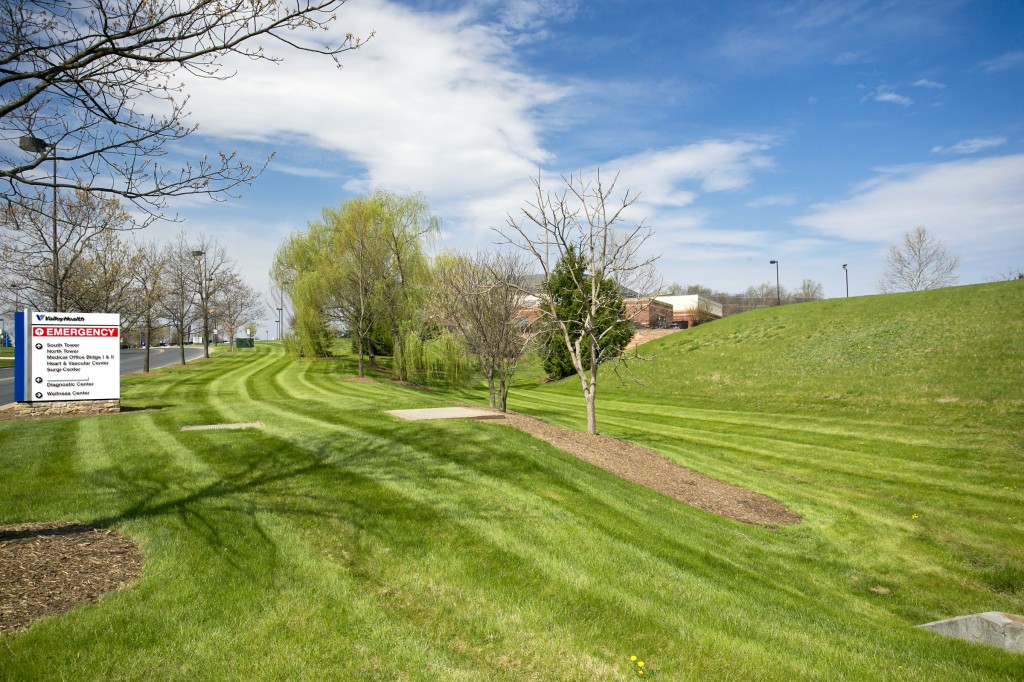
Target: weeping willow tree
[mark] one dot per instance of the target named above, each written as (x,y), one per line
(361,267)
(297,271)
(406,226)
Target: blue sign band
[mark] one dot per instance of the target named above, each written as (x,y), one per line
(21,355)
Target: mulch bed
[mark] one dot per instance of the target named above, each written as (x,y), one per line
(48,568)
(651,469)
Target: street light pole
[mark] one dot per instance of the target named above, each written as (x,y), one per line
(33,144)
(203,301)
(778,288)
(56,276)
(847,273)
(280,324)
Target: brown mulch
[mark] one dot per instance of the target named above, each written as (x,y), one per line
(648,468)
(48,568)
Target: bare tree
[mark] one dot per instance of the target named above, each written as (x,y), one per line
(920,261)
(809,290)
(235,304)
(763,295)
(148,279)
(41,249)
(586,218)
(212,267)
(178,304)
(480,298)
(99,81)
(1007,275)
(102,281)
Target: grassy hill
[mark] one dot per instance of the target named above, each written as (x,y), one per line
(960,345)
(339,543)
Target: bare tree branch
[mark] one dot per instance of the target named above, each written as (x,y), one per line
(586,219)
(83,77)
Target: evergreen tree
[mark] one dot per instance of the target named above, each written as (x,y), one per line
(567,289)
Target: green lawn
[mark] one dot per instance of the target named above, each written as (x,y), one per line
(338,543)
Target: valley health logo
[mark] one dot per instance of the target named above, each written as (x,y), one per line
(67,356)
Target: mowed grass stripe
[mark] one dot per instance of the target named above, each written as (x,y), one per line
(774,447)
(341,543)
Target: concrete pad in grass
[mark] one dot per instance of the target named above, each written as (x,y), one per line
(446,413)
(217,427)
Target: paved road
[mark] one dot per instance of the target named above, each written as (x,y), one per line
(131,362)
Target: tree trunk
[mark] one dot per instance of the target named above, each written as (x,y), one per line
(490,386)
(502,392)
(591,411)
(359,344)
(590,390)
(149,343)
(398,354)
(206,335)
(181,344)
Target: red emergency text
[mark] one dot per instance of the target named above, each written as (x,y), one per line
(75,331)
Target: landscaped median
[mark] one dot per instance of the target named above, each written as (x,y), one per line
(337,542)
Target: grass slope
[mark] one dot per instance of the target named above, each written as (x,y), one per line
(339,543)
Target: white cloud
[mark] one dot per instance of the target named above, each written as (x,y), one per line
(668,177)
(884,94)
(530,15)
(972,204)
(300,171)
(434,103)
(971,146)
(1005,62)
(926,83)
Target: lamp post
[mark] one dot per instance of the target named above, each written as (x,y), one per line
(847,273)
(280,324)
(33,144)
(778,288)
(203,301)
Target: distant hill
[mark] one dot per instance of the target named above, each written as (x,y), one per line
(956,346)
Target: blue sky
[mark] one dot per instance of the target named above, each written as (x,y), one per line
(814,133)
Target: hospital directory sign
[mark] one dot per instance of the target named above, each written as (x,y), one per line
(67,356)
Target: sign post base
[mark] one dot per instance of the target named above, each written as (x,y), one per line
(58,408)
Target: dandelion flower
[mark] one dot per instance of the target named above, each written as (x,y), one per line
(639,664)
(632,658)
(913,517)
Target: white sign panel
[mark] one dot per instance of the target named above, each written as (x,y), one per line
(75,356)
